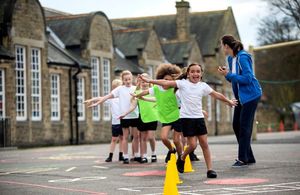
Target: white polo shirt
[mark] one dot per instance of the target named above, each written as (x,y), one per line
(191,98)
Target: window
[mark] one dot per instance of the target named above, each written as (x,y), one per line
(21,106)
(218,110)
(55,97)
(150,71)
(95,86)
(2,94)
(80,99)
(209,110)
(36,84)
(106,86)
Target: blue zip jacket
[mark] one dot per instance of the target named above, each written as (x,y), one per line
(244,84)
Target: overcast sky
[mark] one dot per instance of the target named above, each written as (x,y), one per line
(247,12)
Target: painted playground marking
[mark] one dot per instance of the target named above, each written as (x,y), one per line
(258,189)
(28,171)
(236,181)
(92,178)
(146,173)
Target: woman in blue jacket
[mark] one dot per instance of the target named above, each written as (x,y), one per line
(246,90)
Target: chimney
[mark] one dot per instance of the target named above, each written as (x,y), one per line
(183,20)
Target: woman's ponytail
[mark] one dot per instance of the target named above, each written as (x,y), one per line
(234,44)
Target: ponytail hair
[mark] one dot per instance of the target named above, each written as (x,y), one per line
(233,43)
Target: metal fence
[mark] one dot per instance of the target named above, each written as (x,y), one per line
(5,134)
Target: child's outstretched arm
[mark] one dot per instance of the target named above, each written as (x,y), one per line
(148,99)
(98,100)
(88,101)
(161,82)
(133,105)
(221,97)
(143,93)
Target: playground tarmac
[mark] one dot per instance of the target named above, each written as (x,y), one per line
(81,170)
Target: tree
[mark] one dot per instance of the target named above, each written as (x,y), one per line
(290,8)
(283,24)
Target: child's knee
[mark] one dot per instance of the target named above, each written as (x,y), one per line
(204,145)
(177,141)
(192,146)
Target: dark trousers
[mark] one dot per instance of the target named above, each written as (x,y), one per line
(242,125)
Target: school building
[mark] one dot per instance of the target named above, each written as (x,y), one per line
(50,61)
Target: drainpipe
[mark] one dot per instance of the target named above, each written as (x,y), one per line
(74,77)
(70,108)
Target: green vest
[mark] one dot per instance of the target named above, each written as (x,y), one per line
(167,106)
(148,111)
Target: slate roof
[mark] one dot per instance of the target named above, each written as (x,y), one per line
(49,12)
(71,29)
(206,26)
(175,52)
(129,40)
(126,64)
(59,55)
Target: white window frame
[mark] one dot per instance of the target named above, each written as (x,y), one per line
(36,97)
(21,92)
(218,110)
(95,85)
(209,109)
(150,71)
(80,99)
(106,87)
(55,95)
(2,91)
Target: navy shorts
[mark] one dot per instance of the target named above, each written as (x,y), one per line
(116,130)
(126,123)
(147,126)
(193,127)
(176,125)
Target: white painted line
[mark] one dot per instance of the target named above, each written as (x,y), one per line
(100,167)
(92,178)
(70,169)
(38,170)
(292,186)
(129,189)
(136,189)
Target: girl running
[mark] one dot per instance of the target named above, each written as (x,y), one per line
(147,120)
(131,120)
(117,133)
(192,89)
(167,107)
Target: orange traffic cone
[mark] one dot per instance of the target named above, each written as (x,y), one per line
(170,186)
(281,126)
